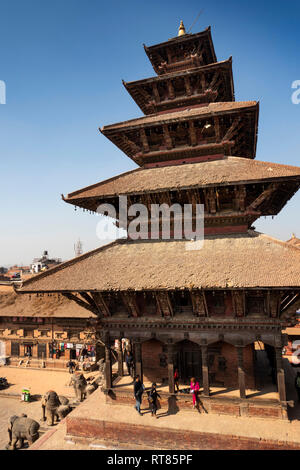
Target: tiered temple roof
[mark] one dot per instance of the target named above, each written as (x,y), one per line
(234,261)
(223,172)
(210,83)
(195,144)
(193,134)
(182,52)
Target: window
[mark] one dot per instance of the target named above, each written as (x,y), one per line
(29,333)
(44,333)
(255,305)
(15,349)
(216,303)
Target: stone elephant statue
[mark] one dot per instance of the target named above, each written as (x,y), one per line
(81,388)
(22,428)
(54,407)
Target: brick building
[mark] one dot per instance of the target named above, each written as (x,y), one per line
(45,327)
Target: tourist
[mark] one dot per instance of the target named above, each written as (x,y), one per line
(152,398)
(194,390)
(297,384)
(71,366)
(129,361)
(176,379)
(84,352)
(138,393)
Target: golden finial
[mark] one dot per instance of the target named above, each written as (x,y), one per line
(181,30)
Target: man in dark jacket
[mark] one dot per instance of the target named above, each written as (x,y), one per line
(138,393)
(129,361)
(71,366)
(152,398)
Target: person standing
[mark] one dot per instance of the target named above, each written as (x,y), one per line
(176,379)
(129,361)
(297,384)
(71,366)
(194,390)
(152,397)
(138,393)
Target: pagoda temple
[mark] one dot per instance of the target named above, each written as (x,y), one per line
(200,311)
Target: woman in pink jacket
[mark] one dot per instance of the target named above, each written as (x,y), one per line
(194,390)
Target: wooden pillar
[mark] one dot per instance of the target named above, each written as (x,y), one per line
(170,355)
(241,372)
(138,359)
(108,364)
(280,375)
(120,359)
(205,376)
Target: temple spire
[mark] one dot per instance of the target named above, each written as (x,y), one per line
(181,30)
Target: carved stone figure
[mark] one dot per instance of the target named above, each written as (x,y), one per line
(21,428)
(81,387)
(54,407)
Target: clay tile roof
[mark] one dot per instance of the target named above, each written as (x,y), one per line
(166,76)
(210,109)
(13,305)
(225,171)
(294,241)
(251,260)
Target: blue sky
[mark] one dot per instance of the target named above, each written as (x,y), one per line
(63,62)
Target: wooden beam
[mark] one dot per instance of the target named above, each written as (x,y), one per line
(129,299)
(187,85)
(217,128)
(203,82)
(167,137)
(155,92)
(205,373)
(144,140)
(192,133)
(80,302)
(241,372)
(101,303)
(164,304)
(240,197)
(170,355)
(211,198)
(233,128)
(238,302)
(199,303)
(264,196)
(171,91)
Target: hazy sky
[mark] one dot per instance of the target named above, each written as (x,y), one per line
(63,61)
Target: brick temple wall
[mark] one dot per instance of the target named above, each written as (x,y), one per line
(155,363)
(230,375)
(152,355)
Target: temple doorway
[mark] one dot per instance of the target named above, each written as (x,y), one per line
(28,350)
(188,360)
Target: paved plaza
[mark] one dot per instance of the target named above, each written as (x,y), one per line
(39,381)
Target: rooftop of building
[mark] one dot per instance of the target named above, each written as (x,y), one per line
(157,52)
(13,305)
(228,170)
(251,260)
(294,241)
(211,109)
